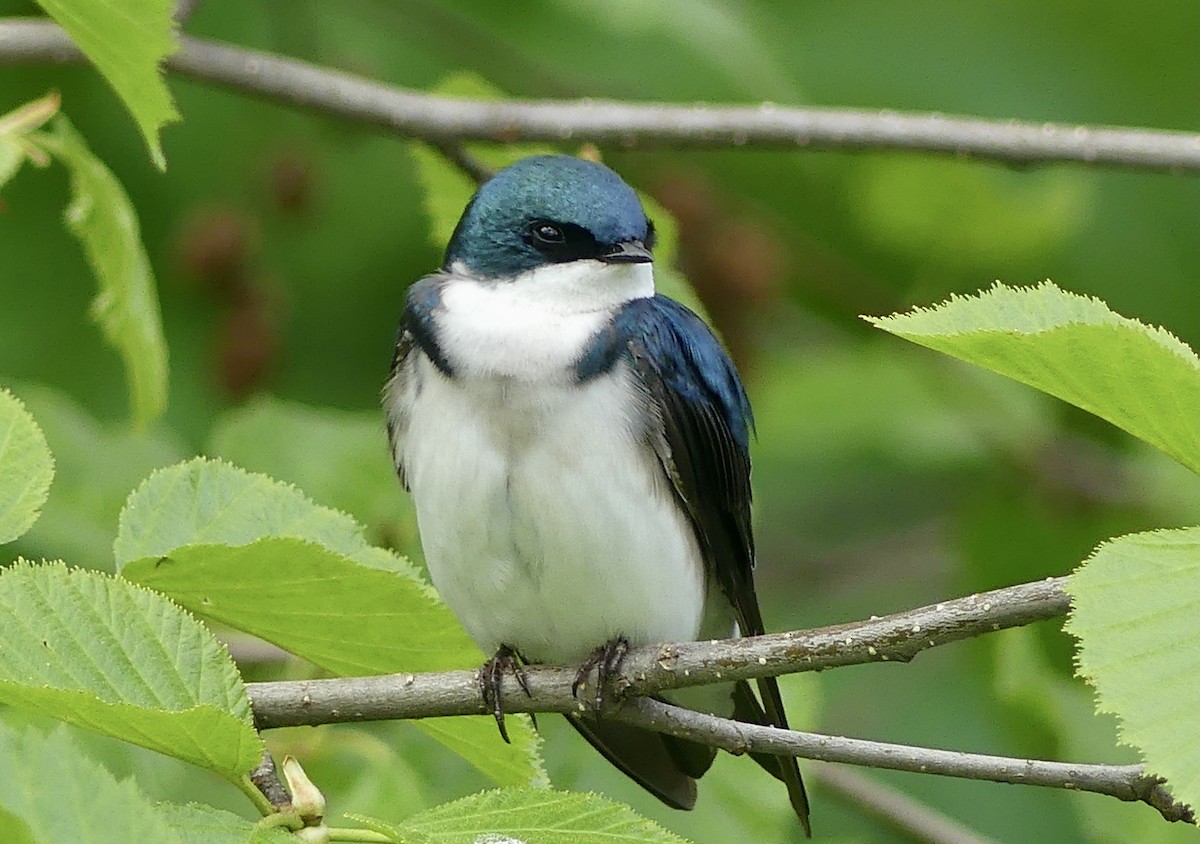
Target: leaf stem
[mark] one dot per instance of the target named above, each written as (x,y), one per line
(368,835)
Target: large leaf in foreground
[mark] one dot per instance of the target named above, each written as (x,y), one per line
(531,816)
(104,654)
(319,604)
(102,217)
(26,468)
(126,41)
(52,793)
(1135,603)
(1139,378)
(195,823)
(258,555)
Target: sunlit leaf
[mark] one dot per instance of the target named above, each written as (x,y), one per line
(26,468)
(126,41)
(1135,602)
(533,816)
(195,823)
(103,218)
(104,654)
(1139,378)
(52,793)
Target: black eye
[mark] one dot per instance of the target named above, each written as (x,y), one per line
(651,234)
(546,234)
(561,242)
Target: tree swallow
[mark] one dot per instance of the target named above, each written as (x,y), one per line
(577,450)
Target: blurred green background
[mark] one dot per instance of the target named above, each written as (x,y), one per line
(885,476)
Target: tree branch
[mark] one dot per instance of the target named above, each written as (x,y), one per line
(894,638)
(440,119)
(893,808)
(645,671)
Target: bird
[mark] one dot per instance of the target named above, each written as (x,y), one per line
(576,446)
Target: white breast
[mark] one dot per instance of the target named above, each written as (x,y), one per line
(547,524)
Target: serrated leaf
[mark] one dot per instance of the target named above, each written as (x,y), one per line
(532,816)
(26,468)
(96,464)
(316,603)
(258,555)
(339,457)
(195,823)
(59,795)
(1134,605)
(446,190)
(100,653)
(127,41)
(1139,378)
(102,217)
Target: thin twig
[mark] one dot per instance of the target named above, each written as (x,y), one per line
(266,779)
(434,118)
(894,808)
(184,10)
(1125,782)
(457,155)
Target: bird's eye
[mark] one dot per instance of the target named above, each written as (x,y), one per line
(546,234)
(561,242)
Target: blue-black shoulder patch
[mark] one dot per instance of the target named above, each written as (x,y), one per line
(422,301)
(681,350)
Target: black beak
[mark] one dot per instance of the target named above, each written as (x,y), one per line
(627,252)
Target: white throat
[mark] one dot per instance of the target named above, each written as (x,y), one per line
(535,326)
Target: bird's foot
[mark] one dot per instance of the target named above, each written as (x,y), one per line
(491,675)
(606,659)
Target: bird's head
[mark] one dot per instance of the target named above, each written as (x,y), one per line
(547,210)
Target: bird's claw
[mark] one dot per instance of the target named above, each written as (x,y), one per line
(606,659)
(491,675)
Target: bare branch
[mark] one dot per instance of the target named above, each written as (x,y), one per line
(894,638)
(1125,782)
(893,808)
(439,119)
(649,670)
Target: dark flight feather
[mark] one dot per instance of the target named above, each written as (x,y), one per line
(703,447)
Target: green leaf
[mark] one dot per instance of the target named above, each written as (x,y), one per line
(447,190)
(96,464)
(56,794)
(258,555)
(1139,378)
(1134,603)
(26,468)
(100,653)
(532,816)
(103,219)
(127,41)
(339,457)
(348,618)
(196,823)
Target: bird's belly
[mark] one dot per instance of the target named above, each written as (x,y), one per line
(547,525)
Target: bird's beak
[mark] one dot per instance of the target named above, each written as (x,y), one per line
(627,252)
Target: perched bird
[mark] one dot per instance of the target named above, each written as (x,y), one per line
(577,450)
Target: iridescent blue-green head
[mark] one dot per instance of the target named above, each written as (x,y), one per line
(550,209)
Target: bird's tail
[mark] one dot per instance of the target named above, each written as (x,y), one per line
(746,708)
